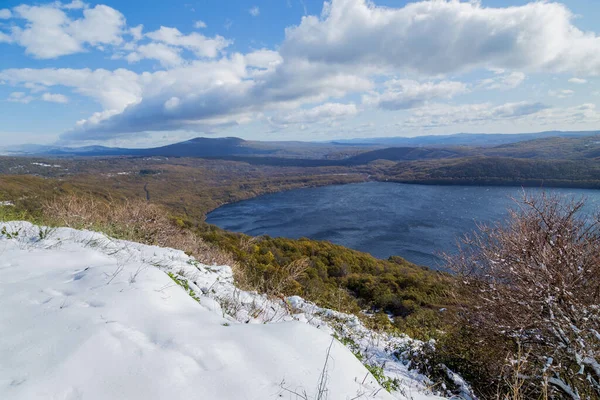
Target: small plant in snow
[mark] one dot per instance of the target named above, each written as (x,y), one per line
(116,273)
(44,232)
(133,276)
(8,234)
(389,384)
(183,282)
(321,392)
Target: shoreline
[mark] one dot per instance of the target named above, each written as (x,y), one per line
(539,184)
(432,253)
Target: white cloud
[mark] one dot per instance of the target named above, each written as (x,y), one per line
(74,5)
(34,87)
(99,25)
(503,81)
(136,32)
(55,98)
(582,114)
(395,58)
(172,103)
(199,44)
(20,97)
(199,24)
(438,37)
(5,13)
(323,113)
(402,94)
(561,94)
(114,90)
(262,62)
(49,32)
(44,35)
(440,115)
(4,38)
(577,81)
(254,11)
(168,56)
(199,95)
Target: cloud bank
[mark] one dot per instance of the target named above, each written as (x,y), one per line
(404,60)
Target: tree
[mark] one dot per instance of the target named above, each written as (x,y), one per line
(534,280)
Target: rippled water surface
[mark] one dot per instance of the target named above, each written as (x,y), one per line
(416,222)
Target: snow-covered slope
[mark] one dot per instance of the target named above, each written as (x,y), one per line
(87,317)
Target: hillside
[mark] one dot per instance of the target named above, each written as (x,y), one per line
(202,147)
(90,317)
(465,139)
(547,148)
(405,154)
(565,148)
(498,171)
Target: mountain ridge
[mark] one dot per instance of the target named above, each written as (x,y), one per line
(235,146)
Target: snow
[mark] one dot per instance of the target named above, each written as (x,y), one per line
(89,317)
(46,165)
(6,204)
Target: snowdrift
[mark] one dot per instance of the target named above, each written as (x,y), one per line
(88,317)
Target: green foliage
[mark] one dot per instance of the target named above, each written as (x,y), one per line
(500,171)
(44,232)
(351,345)
(389,384)
(336,277)
(14,213)
(423,323)
(460,350)
(9,234)
(183,282)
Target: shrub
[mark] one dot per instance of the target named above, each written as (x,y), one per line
(531,295)
(135,220)
(332,276)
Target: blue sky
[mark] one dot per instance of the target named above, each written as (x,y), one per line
(139,73)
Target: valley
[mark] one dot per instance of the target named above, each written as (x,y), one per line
(402,287)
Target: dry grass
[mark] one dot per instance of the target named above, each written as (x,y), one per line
(274,284)
(134,220)
(148,223)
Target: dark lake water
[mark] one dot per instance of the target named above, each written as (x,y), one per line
(416,222)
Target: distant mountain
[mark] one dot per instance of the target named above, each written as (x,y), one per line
(546,148)
(34,149)
(463,139)
(198,147)
(552,144)
(403,154)
(205,147)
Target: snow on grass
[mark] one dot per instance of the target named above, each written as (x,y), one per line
(88,317)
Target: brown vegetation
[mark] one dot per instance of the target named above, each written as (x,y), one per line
(528,321)
(530,315)
(134,220)
(335,277)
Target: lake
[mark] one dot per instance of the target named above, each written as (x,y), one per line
(417,222)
